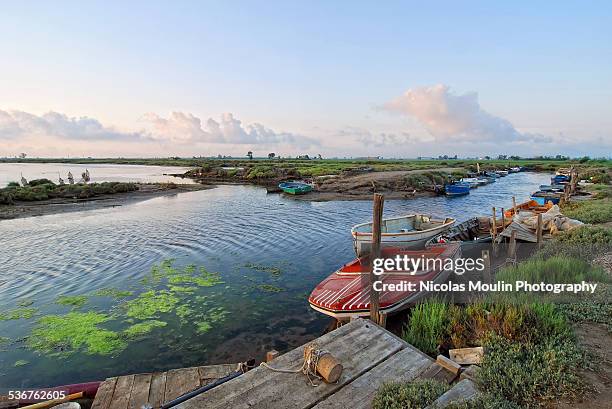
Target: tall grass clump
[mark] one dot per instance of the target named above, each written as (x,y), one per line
(427,326)
(408,395)
(555,269)
(590,211)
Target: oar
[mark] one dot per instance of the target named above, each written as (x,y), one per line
(47,403)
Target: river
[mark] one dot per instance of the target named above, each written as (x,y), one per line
(269,251)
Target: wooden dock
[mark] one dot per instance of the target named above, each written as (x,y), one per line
(370,355)
(155,389)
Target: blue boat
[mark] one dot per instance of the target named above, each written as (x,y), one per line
(557,179)
(457,189)
(552,188)
(295,188)
(542,197)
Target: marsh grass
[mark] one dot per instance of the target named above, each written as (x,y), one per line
(590,211)
(554,269)
(427,326)
(409,395)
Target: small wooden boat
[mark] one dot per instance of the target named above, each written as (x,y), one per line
(472,182)
(346,292)
(514,169)
(295,188)
(558,179)
(529,206)
(407,232)
(474,230)
(552,188)
(456,189)
(502,173)
(543,197)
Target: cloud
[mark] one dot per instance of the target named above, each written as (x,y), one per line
(183,127)
(459,118)
(20,124)
(378,140)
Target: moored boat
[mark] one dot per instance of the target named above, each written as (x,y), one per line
(474,230)
(295,188)
(542,197)
(558,179)
(346,292)
(502,173)
(407,232)
(456,189)
(532,206)
(473,182)
(552,187)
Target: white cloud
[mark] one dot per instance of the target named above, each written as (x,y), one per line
(377,139)
(450,117)
(20,124)
(183,127)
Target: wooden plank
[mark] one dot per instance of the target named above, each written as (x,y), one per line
(448,364)
(181,381)
(404,366)
(121,395)
(140,391)
(358,345)
(467,356)
(104,394)
(211,373)
(462,391)
(158,387)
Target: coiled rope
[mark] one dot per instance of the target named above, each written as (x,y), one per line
(312,353)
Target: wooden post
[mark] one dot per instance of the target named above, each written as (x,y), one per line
(270,355)
(514,206)
(503,219)
(486,274)
(379,201)
(539,229)
(494,227)
(512,246)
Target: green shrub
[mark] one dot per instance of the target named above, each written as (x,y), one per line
(555,269)
(531,374)
(413,395)
(484,401)
(589,211)
(37,182)
(13,184)
(427,326)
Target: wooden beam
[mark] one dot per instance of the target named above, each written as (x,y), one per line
(448,364)
(379,201)
(467,356)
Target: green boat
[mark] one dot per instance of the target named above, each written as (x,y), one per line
(295,188)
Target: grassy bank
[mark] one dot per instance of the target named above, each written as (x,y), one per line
(44,189)
(532,355)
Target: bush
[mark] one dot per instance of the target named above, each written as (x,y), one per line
(555,269)
(13,184)
(413,395)
(37,182)
(530,374)
(427,326)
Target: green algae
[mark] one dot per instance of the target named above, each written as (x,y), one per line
(202,327)
(212,316)
(113,293)
(21,362)
(273,271)
(143,328)
(151,303)
(18,313)
(269,288)
(60,335)
(190,274)
(75,301)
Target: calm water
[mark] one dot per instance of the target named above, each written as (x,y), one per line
(11,172)
(257,242)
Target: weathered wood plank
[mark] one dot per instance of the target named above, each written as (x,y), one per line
(158,387)
(467,356)
(140,391)
(104,394)
(448,364)
(462,391)
(211,373)
(121,395)
(404,366)
(359,345)
(181,381)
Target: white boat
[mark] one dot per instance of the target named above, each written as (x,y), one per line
(502,173)
(473,182)
(404,232)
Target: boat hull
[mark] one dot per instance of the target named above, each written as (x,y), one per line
(293,188)
(457,189)
(346,292)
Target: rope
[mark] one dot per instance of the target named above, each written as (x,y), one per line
(312,353)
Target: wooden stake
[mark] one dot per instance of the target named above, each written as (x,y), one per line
(487,266)
(494,227)
(379,201)
(503,219)
(514,205)
(512,245)
(539,229)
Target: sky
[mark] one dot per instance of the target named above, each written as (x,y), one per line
(339,78)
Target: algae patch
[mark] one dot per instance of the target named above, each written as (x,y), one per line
(269,288)
(21,362)
(18,313)
(59,335)
(75,301)
(143,328)
(113,293)
(151,303)
(273,271)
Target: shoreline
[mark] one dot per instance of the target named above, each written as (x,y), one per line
(22,210)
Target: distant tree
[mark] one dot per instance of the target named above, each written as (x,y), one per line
(250,154)
(23,155)
(584,159)
(319,156)
(487,157)
(502,157)
(271,155)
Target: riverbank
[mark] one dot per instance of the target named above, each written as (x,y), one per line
(145,191)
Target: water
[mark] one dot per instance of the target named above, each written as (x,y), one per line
(228,229)
(11,172)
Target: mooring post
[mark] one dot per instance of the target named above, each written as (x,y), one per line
(487,266)
(379,201)
(503,219)
(512,246)
(513,206)
(494,233)
(539,230)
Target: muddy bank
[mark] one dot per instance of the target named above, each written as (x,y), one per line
(350,185)
(65,205)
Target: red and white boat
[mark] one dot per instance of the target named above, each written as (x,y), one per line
(346,293)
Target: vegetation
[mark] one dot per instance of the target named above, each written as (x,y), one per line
(411,395)
(584,243)
(75,301)
(44,189)
(555,269)
(590,211)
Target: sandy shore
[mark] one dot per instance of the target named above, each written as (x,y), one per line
(56,206)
